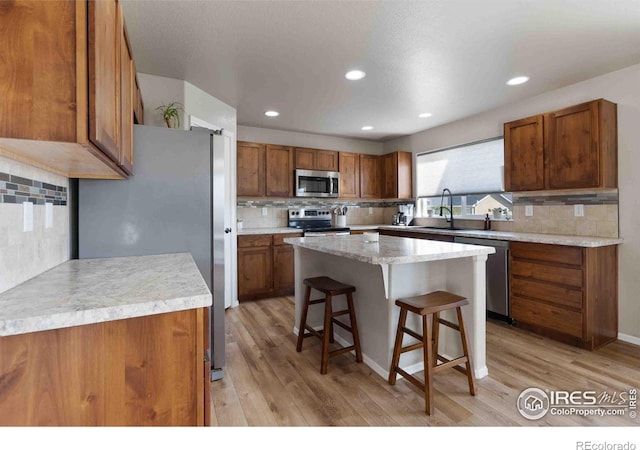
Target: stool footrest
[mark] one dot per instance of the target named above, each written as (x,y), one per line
(410,348)
(452,363)
(315,302)
(312,332)
(412,333)
(456,367)
(416,382)
(446,323)
(345,326)
(342,350)
(340,313)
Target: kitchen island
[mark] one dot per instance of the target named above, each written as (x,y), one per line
(389,269)
(107,341)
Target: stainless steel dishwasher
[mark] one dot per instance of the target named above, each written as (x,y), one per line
(497,276)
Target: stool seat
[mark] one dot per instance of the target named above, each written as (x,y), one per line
(330,288)
(429,306)
(328,285)
(431,303)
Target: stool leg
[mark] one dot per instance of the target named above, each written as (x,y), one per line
(436,337)
(427,336)
(331,338)
(326,334)
(465,349)
(397,347)
(303,319)
(354,327)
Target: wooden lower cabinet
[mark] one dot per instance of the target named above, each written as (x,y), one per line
(566,293)
(144,371)
(265,266)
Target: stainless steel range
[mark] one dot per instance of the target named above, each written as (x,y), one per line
(315,222)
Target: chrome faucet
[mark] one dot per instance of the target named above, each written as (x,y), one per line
(450,208)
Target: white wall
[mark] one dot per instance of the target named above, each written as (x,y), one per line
(621,87)
(208,108)
(24,255)
(310,140)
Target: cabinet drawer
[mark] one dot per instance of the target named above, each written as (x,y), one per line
(543,272)
(258,240)
(546,252)
(547,316)
(278,239)
(543,291)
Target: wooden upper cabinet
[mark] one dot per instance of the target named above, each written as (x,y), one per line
(250,169)
(305,158)
(572,148)
(370,176)
(104,82)
(61,87)
(524,155)
(313,159)
(127,90)
(397,175)
(581,146)
(279,171)
(327,160)
(349,175)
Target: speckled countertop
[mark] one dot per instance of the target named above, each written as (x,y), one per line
(81,292)
(557,239)
(389,249)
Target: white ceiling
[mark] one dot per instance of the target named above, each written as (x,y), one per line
(450,58)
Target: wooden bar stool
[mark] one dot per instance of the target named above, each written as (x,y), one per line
(429,306)
(330,288)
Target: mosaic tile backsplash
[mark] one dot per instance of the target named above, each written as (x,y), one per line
(16,189)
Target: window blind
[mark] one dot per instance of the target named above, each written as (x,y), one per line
(474,168)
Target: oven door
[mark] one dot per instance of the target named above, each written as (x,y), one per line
(317,183)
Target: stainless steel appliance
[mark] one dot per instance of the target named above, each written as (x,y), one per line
(315,222)
(317,183)
(497,276)
(175,202)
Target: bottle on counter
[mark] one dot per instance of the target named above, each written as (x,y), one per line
(487,222)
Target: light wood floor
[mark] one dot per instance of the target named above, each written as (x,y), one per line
(267,383)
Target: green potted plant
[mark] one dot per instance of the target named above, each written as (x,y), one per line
(171,113)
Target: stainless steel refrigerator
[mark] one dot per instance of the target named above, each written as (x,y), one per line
(175,202)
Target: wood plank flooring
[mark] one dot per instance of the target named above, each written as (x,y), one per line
(267,383)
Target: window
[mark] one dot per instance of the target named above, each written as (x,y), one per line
(473,172)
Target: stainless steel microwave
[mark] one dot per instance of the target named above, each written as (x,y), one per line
(317,183)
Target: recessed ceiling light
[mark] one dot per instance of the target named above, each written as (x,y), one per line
(271,113)
(424,115)
(367,128)
(517,80)
(354,75)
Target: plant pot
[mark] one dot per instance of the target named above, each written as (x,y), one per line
(169,122)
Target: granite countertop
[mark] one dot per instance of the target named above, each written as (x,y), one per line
(556,239)
(389,249)
(86,291)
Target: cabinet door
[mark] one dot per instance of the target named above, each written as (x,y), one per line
(327,160)
(126,98)
(305,158)
(250,169)
(104,75)
(405,175)
(349,175)
(283,268)
(369,176)
(390,175)
(571,147)
(279,171)
(255,271)
(524,155)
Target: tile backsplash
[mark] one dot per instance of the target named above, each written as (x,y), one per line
(24,255)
